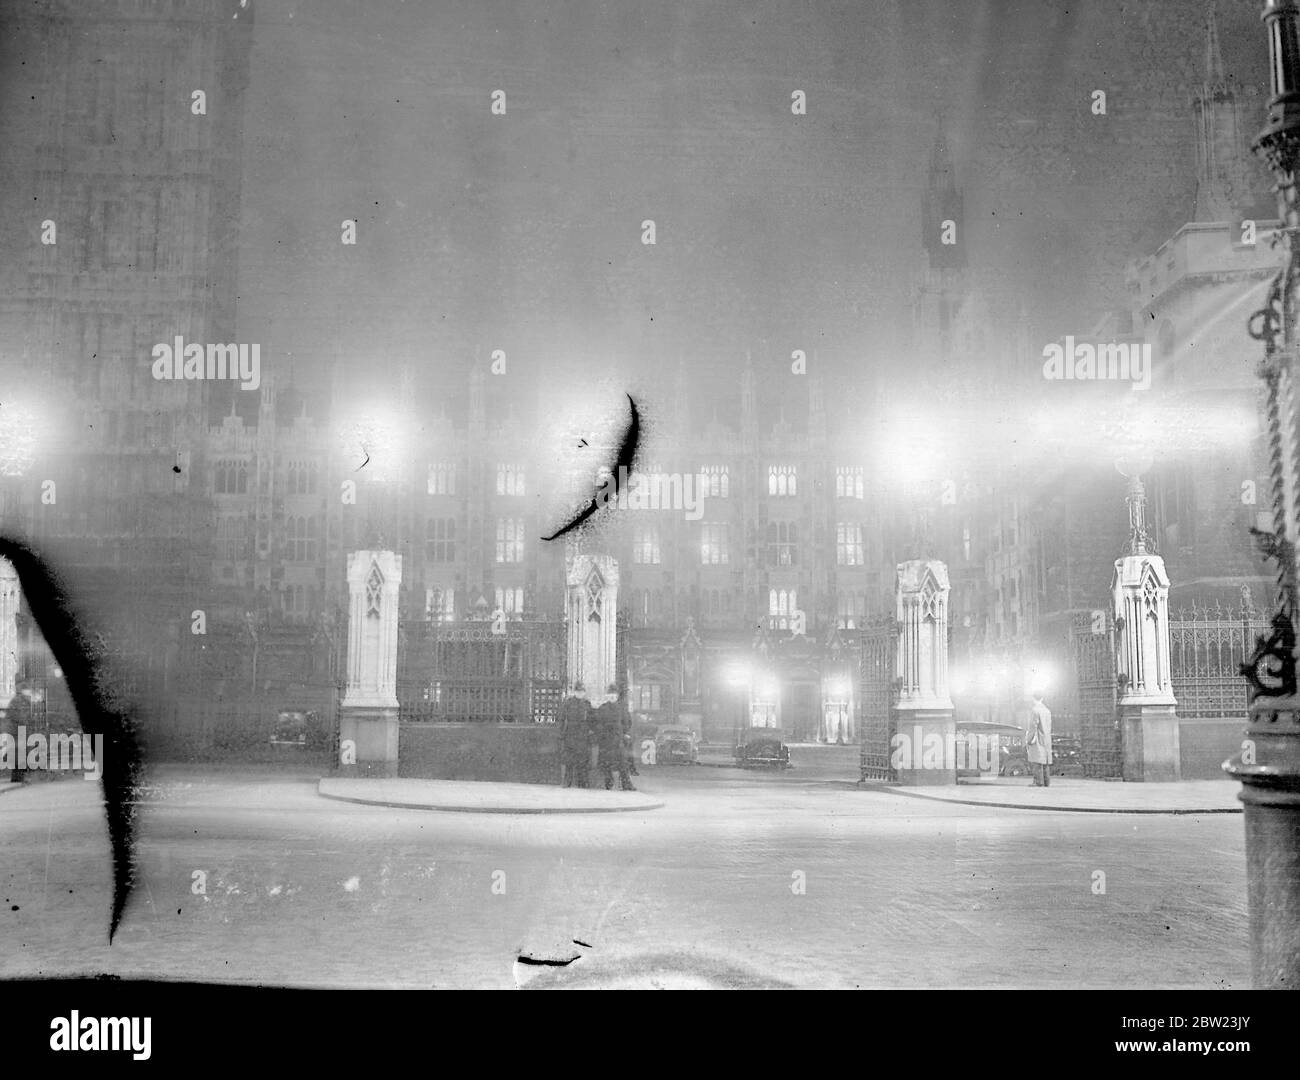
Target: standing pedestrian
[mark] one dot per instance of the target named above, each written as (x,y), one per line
(575,738)
(1038,741)
(612,724)
(629,743)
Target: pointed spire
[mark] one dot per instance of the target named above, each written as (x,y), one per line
(1215,74)
(1226,186)
(816,410)
(942,228)
(748,401)
(477,404)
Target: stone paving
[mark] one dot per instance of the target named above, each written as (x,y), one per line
(740,879)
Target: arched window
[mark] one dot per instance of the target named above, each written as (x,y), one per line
(510,540)
(714,481)
(440,540)
(230,478)
(781,606)
(782,540)
(781,480)
(510,480)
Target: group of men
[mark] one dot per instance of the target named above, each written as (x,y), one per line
(607,728)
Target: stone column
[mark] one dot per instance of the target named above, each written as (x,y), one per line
(1148,723)
(8,633)
(923,748)
(591,609)
(8,647)
(368,713)
(1140,590)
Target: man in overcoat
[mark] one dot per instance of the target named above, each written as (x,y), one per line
(575,737)
(1038,741)
(612,724)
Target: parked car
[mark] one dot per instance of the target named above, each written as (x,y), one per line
(676,744)
(293,727)
(1067,755)
(763,747)
(1010,741)
(1015,762)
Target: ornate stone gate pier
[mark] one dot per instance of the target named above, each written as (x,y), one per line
(368,727)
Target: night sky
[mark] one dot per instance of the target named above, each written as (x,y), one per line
(774,231)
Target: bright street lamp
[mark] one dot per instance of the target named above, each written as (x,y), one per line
(19,427)
(374,443)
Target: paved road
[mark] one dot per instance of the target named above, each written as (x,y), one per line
(896,892)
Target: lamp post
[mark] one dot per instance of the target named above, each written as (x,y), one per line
(19,426)
(252,623)
(1269,762)
(9,593)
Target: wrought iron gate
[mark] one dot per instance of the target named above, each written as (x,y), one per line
(878,642)
(1092,653)
(1206,648)
(466,673)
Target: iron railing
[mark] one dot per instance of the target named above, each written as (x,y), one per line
(1206,649)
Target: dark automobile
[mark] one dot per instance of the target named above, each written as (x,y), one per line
(763,747)
(975,739)
(292,727)
(1014,760)
(675,744)
(1067,755)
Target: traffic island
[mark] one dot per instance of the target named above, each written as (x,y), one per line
(483,797)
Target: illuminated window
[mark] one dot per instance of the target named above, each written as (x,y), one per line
(781,607)
(782,480)
(715,481)
(440,604)
(645,545)
(848,544)
(645,697)
(849,609)
(511,602)
(510,540)
(713,545)
(848,482)
(781,544)
(442,479)
(510,480)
